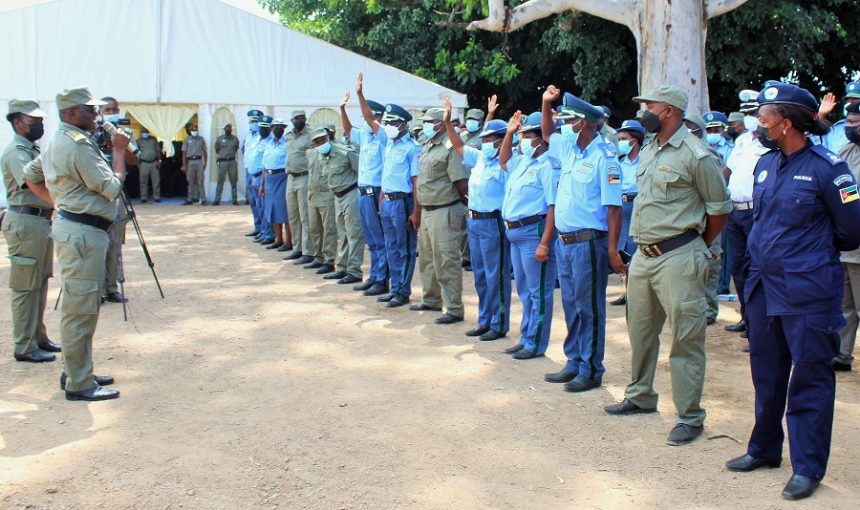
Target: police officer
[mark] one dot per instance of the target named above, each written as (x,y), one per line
(835,139)
(807,208)
(610,135)
(298,142)
(267,234)
(715,126)
(736,126)
(149,161)
(681,208)
(341,177)
(588,222)
(252,192)
(321,216)
(631,134)
(442,188)
(226,148)
(85,190)
(528,213)
(398,203)
(194,156)
(471,135)
(27,229)
(273,185)
(371,148)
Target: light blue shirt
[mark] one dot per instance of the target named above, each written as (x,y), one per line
(530,189)
(486,182)
(590,182)
(250,149)
(370,155)
(257,159)
(724,149)
(275,153)
(835,139)
(628,174)
(400,163)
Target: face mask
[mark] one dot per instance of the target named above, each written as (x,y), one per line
(113,118)
(714,138)
(324,148)
(472,125)
(624,147)
(527,147)
(767,142)
(194,133)
(750,123)
(428,129)
(254,127)
(850,132)
(264,132)
(35,131)
(651,122)
(489,150)
(298,125)
(144,135)
(732,133)
(516,139)
(568,133)
(278,132)
(392,132)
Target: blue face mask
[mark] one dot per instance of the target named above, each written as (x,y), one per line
(472,125)
(569,134)
(527,147)
(113,118)
(489,150)
(624,147)
(428,129)
(254,127)
(516,139)
(714,138)
(324,148)
(144,135)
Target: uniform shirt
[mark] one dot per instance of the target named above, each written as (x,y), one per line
(628,174)
(15,157)
(337,168)
(149,149)
(850,152)
(724,150)
(610,138)
(399,163)
(742,162)
(807,208)
(250,152)
(371,149)
(77,174)
(472,140)
(438,169)
(486,181)
(319,194)
(194,146)
(530,188)
(257,157)
(226,147)
(835,139)
(297,146)
(679,184)
(590,182)
(275,153)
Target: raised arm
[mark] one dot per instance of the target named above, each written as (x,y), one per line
(492,106)
(506,150)
(366,112)
(344,118)
(456,141)
(547,125)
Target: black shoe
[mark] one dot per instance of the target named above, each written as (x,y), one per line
(286,247)
(799,487)
(746,348)
(294,255)
(838,366)
(274,246)
(142,200)
(101,380)
(316,264)
(157,200)
(747,462)
(711,321)
(304,259)
(447,318)
(259,239)
(397,300)
(377,289)
(37,356)
(349,279)
(366,284)
(253,234)
(737,328)
(565,375)
(93,394)
(491,335)
(216,203)
(325,269)
(620,301)
(516,348)
(201,202)
(384,298)
(187,202)
(235,202)
(478,331)
(745,334)
(267,241)
(626,407)
(49,346)
(116,297)
(421,307)
(337,275)
(524,354)
(683,434)
(581,383)
(465,263)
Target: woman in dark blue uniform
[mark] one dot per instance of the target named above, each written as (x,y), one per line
(806,210)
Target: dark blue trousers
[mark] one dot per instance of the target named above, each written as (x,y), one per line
(401,243)
(371,224)
(738,230)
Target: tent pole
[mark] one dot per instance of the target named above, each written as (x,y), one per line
(158,21)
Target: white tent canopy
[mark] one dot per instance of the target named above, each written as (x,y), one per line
(198,54)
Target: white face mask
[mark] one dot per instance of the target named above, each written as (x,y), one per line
(194,133)
(391,132)
(750,122)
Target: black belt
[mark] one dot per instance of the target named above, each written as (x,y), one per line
(477,215)
(434,207)
(148,160)
(276,171)
(529,220)
(193,158)
(257,174)
(221,160)
(367,190)
(657,249)
(299,174)
(628,197)
(396,195)
(87,219)
(342,193)
(579,236)
(32,211)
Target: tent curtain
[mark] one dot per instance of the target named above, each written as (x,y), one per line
(164,121)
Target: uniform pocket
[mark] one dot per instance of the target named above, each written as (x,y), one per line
(810,279)
(821,342)
(81,296)
(691,319)
(23,273)
(796,210)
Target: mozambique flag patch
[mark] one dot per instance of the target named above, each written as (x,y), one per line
(614,176)
(849,194)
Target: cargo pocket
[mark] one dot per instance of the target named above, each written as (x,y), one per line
(821,342)
(809,279)
(81,296)
(691,319)
(23,273)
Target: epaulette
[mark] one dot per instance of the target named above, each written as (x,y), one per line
(77,136)
(827,155)
(609,151)
(697,146)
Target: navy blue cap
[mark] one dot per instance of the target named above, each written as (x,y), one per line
(376,108)
(256,114)
(715,119)
(632,126)
(531,123)
(495,127)
(606,111)
(580,108)
(395,112)
(787,93)
(853,90)
(265,121)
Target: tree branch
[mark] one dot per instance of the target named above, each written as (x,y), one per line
(619,11)
(714,8)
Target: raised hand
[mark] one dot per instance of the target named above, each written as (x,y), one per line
(359,84)
(515,122)
(492,104)
(345,100)
(827,105)
(447,105)
(551,93)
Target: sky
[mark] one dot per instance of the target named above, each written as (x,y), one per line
(246,5)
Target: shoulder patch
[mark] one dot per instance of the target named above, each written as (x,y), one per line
(698,147)
(827,155)
(609,151)
(448,144)
(614,175)
(77,136)
(842,179)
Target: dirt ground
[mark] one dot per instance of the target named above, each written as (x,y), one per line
(255,384)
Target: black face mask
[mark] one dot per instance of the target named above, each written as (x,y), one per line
(37,129)
(761,134)
(278,132)
(651,122)
(298,125)
(850,132)
(264,132)
(732,133)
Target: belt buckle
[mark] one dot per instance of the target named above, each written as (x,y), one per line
(369,191)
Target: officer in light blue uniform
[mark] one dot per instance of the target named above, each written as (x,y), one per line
(588,221)
(248,144)
(528,213)
(371,150)
(275,185)
(631,134)
(267,234)
(835,139)
(806,210)
(715,127)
